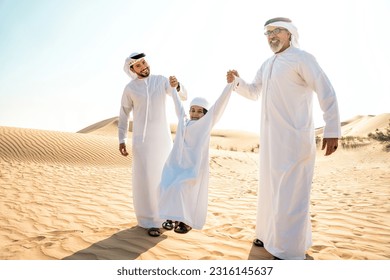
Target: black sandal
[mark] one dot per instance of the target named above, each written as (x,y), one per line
(168,225)
(154,232)
(182,228)
(257,242)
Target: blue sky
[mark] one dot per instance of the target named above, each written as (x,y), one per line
(61,61)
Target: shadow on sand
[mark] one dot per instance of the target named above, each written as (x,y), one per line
(259,253)
(124,245)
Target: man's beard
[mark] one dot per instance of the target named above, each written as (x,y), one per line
(276,47)
(144,73)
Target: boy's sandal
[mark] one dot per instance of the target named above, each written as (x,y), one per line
(182,228)
(168,225)
(257,242)
(154,232)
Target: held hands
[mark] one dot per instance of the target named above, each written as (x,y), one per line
(122,149)
(231,74)
(331,145)
(174,83)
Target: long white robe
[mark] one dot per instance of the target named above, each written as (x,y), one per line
(285,83)
(151,141)
(185,177)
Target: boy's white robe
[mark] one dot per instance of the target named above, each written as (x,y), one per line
(184,182)
(285,84)
(151,141)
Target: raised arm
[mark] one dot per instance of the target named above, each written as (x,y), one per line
(180,111)
(179,87)
(251,91)
(215,112)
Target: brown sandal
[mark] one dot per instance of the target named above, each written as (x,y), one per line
(154,232)
(257,242)
(168,225)
(182,228)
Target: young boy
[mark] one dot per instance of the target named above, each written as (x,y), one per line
(185,177)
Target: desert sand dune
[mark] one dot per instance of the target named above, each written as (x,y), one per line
(69,196)
(361,126)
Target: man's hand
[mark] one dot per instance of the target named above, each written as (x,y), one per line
(231,74)
(122,149)
(174,83)
(330,144)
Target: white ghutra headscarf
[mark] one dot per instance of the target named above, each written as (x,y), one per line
(285,23)
(131,60)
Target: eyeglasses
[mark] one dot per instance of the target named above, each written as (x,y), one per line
(274,32)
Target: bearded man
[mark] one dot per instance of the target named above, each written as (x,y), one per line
(285,84)
(145,95)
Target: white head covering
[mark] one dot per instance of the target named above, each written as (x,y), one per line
(201,102)
(131,60)
(285,23)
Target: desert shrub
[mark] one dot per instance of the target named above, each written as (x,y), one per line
(255,149)
(318,140)
(353,142)
(382,136)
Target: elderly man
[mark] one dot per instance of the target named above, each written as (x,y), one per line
(146,95)
(285,84)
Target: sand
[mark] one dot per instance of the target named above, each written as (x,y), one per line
(69,196)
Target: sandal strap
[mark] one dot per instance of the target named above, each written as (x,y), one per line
(169,225)
(154,232)
(182,228)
